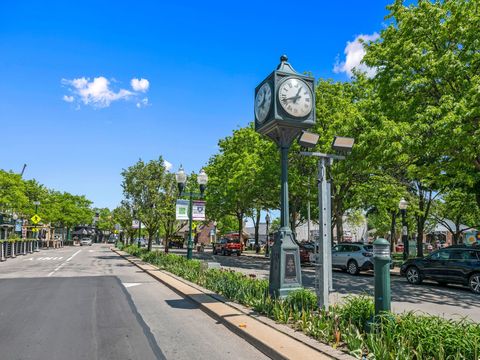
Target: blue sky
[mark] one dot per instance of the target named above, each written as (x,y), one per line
(194,65)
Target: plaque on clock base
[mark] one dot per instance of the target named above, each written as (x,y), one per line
(285,272)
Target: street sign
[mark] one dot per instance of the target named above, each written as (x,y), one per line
(35,219)
(198,210)
(182,209)
(135,224)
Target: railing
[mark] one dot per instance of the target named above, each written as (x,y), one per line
(12,249)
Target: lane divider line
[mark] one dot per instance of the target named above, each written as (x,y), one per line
(63,264)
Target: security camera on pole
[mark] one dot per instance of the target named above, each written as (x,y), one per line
(284,107)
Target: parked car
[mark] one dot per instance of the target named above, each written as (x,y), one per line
(226,246)
(352,257)
(86,242)
(307,250)
(457,264)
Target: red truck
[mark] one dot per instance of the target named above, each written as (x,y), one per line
(226,246)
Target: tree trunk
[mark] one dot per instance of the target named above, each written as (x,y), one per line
(257,225)
(392,231)
(240,226)
(150,238)
(339,225)
(420,233)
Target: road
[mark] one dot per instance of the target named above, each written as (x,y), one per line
(447,301)
(88,303)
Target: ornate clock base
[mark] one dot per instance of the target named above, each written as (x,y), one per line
(285,272)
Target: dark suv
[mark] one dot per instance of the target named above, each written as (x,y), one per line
(454,264)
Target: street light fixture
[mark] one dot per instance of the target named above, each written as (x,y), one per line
(202,180)
(343,144)
(323,245)
(403,205)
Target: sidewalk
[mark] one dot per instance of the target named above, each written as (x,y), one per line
(275,340)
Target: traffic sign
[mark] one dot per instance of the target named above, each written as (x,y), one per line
(35,229)
(35,219)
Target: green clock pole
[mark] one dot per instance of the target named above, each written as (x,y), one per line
(284,107)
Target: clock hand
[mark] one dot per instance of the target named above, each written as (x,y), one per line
(297,96)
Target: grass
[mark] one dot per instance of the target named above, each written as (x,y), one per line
(391,337)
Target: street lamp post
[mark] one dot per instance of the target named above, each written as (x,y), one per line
(37,240)
(402,205)
(267,248)
(323,245)
(202,180)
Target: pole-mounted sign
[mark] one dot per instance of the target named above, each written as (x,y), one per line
(284,107)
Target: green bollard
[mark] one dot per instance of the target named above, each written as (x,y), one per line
(381,263)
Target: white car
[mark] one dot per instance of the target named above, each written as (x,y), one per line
(86,241)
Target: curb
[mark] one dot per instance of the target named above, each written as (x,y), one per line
(283,342)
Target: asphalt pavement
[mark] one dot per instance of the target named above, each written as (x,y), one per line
(88,303)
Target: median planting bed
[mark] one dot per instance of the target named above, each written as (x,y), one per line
(394,336)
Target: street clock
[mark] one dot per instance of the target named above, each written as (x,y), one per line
(284,103)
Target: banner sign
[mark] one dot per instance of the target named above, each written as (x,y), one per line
(135,224)
(182,210)
(198,211)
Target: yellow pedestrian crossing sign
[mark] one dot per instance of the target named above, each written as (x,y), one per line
(35,219)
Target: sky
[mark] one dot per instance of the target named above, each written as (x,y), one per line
(88,88)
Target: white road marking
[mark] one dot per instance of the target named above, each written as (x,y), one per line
(91,250)
(63,264)
(127,285)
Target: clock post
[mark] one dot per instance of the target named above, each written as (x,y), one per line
(284,107)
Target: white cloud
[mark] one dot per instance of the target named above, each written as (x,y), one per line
(168,165)
(99,93)
(354,53)
(140,85)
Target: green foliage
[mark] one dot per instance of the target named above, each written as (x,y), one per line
(147,188)
(243,176)
(393,336)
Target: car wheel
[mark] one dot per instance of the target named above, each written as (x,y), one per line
(224,253)
(413,275)
(238,253)
(352,267)
(474,283)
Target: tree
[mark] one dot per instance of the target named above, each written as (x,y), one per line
(106,221)
(243,176)
(123,215)
(12,192)
(427,75)
(144,187)
(168,197)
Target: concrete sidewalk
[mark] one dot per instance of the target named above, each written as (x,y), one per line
(274,340)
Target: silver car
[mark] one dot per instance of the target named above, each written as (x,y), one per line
(352,257)
(86,242)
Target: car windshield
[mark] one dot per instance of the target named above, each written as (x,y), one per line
(233,241)
(368,247)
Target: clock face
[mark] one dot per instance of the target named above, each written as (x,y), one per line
(295,97)
(263,101)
